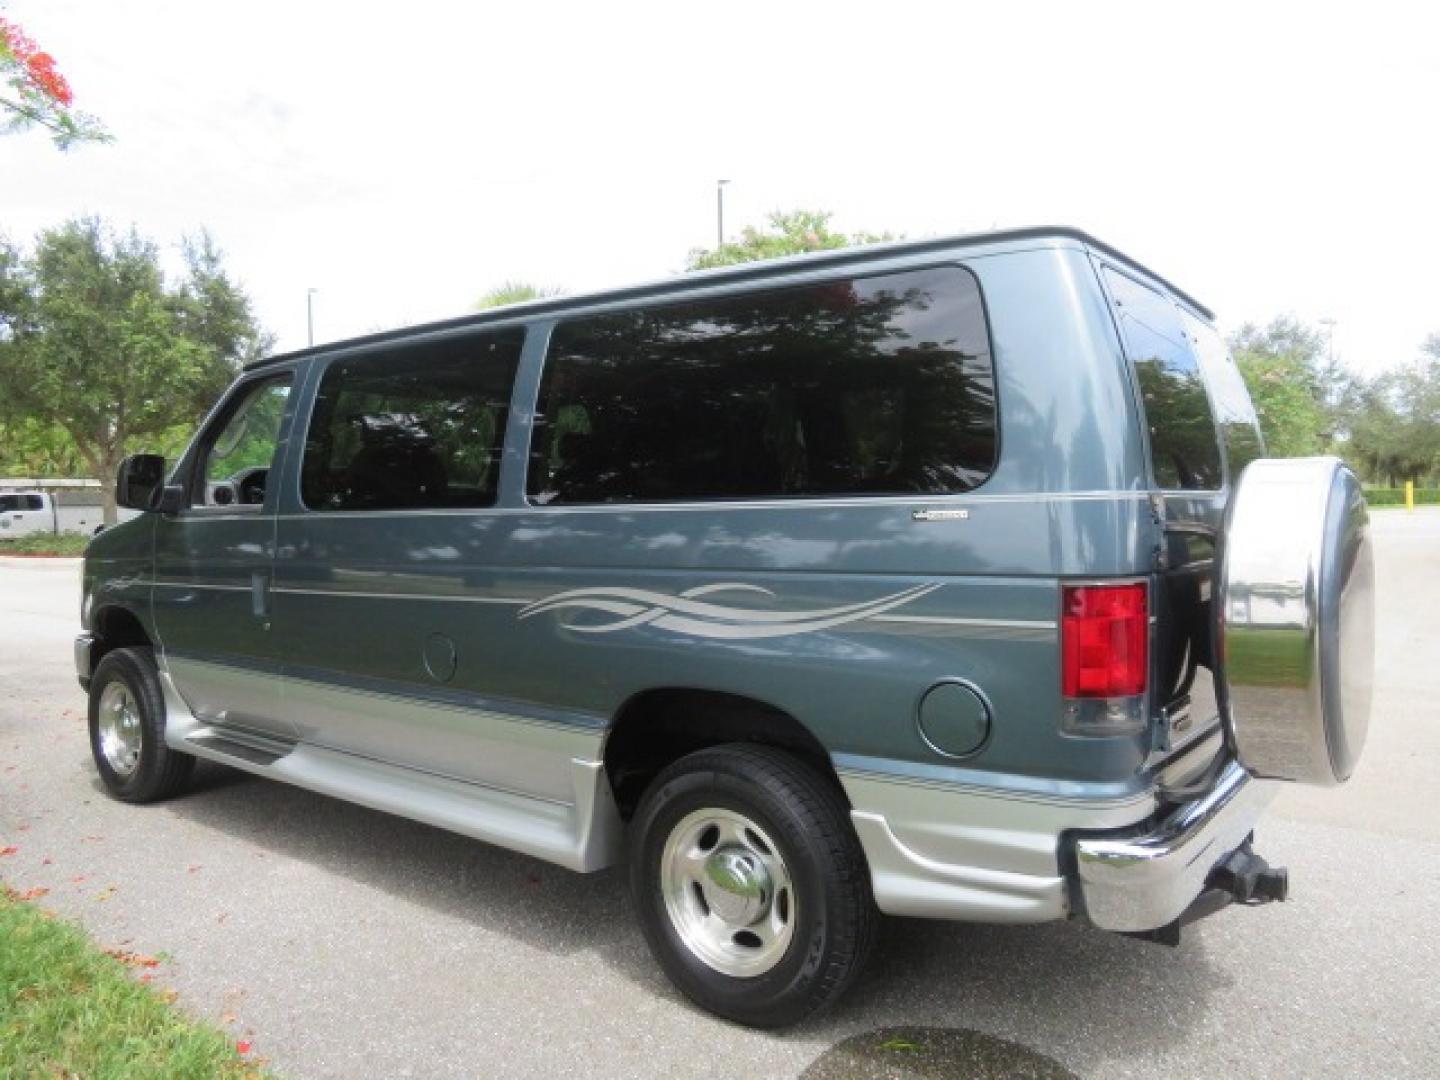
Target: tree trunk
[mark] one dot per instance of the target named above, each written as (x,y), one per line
(109,465)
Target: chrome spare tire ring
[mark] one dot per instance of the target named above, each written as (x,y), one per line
(728,892)
(118,726)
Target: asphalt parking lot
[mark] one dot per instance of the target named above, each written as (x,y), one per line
(341,942)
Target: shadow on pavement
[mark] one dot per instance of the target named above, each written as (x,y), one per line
(1085,996)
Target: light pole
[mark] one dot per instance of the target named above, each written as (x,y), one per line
(310,314)
(720,213)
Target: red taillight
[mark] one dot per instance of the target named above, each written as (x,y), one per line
(1103,640)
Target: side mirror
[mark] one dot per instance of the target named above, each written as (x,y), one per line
(139,480)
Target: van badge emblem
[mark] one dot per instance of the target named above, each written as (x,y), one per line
(688,614)
(940,515)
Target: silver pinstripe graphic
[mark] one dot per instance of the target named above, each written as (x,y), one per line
(688,614)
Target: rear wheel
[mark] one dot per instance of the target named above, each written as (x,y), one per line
(127,730)
(751,886)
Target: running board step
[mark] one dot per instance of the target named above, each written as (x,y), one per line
(581,835)
(254,751)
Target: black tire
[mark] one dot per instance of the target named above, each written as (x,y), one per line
(834,911)
(159,772)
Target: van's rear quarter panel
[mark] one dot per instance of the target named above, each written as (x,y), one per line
(1065,500)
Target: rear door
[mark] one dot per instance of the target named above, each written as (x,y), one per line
(214,558)
(1188,476)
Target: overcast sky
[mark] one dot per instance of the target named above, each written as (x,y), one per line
(403,158)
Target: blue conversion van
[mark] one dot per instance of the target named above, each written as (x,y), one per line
(939,579)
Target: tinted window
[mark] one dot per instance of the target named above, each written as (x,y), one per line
(879,385)
(413,428)
(9,502)
(34,502)
(1239,426)
(1183,447)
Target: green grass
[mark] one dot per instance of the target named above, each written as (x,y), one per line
(1379,498)
(68,543)
(69,1010)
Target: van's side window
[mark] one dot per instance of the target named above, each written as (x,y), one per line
(238,452)
(876,385)
(413,427)
(1183,446)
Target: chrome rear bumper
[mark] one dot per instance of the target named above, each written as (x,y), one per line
(1144,882)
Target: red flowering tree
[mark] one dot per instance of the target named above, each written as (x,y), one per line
(36,93)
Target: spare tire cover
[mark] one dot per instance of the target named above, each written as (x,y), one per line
(1296,612)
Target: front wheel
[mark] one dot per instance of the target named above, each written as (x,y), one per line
(751,886)
(127,730)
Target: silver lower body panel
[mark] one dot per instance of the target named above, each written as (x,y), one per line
(978,855)
(935,850)
(995,855)
(578,828)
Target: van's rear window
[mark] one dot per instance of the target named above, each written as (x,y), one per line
(867,386)
(1234,411)
(1184,446)
(414,427)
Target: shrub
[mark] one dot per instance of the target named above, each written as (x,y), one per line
(1379,496)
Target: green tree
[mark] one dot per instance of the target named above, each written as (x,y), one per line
(514,292)
(1293,386)
(1396,430)
(36,94)
(213,310)
(787,233)
(30,448)
(97,346)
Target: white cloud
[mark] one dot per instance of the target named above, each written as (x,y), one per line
(402,159)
